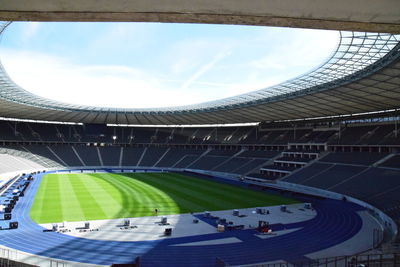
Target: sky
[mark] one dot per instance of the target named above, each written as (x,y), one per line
(148,65)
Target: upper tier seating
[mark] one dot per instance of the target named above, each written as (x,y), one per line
(349,135)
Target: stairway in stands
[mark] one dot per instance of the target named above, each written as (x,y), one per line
(295,157)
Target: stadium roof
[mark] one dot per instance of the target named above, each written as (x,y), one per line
(362,75)
(353,15)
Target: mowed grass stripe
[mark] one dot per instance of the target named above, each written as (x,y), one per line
(185,204)
(184,192)
(151,197)
(138,198)
(76,197)
(37,205)
(230,192)
(218,196)
(71,206)
(51,201)
(174,193)
(133,200)
(110,203)
(89,204)
(222,193)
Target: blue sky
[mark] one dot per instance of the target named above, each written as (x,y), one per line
(142,65)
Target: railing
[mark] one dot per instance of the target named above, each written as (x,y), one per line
(16,258)
(370,260)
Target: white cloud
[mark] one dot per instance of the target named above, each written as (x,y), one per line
(186,72)
(294,54)
(189,55)
(119,35)
(29,31)
(109,86)
(204,69)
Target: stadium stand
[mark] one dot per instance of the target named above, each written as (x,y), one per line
(207,162)
(152,156)
(14,164)
(251,166)
(110,155)
(131,155)
(392,162)
(334,175)
(89,155)
(67,154)
(367,169)
(354,174)
(174,155)
(259,154)
(231,164)
(368,183)
(361,158)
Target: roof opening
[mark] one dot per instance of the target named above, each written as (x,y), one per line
(151,65)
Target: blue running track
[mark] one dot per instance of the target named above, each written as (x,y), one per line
(336,222)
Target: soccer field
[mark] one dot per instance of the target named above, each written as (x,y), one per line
(94,196)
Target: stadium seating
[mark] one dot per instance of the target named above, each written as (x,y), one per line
(393,162)
(375,185)
(334,175)
(67,154)
(369,183)
(186,161)
(361,172)
(110,155)
(174,155)
(259,154)
(251,166)
(131,155)
(89,155)
(232,164)
(307,172)
(152,156)
(349,134)
(43,151)
(11,163)
(208,162)
(361,158)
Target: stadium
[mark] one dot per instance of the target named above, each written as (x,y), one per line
(302,173)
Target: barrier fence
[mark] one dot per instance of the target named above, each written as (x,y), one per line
(368,260)
(15,258)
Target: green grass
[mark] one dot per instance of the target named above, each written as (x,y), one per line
(78,197)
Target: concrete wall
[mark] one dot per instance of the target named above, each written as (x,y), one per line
(357,15)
